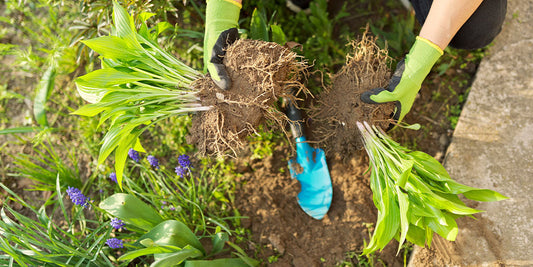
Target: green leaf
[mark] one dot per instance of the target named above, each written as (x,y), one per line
(127,141)
(122,21)
(17,130)
(144,16)
(216,263)
(110,77)
(176,258)
(45,86)
(112,47)
(258,26)
(448,231)
(163,26)
(131,210)
(219,240)
(148,251)
(89,110)
(278,35)
(173,233)
(404,209)
(484,195)
(416,235)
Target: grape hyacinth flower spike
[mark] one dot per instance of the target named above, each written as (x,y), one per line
(113,177)
(134,155)
(77,197)
(115,243)
(154,162)
(117,224)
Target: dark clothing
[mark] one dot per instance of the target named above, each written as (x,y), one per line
(479,30)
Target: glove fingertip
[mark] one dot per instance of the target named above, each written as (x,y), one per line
(365,96)
(223,84)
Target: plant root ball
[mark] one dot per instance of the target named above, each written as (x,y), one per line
(261,72)
(337,109)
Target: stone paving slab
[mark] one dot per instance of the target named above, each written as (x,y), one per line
(492,147)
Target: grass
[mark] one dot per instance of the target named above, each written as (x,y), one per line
(42,39)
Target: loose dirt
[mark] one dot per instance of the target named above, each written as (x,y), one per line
(285,232)
(260,72)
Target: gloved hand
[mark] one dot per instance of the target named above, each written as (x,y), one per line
(407,78)
(220,31)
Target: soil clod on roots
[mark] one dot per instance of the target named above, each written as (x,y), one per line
(337,110)
(260,73)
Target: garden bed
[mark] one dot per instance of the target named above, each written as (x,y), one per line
(280,233)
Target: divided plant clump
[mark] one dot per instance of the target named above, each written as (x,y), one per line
(414,194)
(140,84)
(335,114)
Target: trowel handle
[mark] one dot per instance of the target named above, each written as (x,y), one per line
(295,117)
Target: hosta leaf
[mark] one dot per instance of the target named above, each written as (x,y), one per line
(173,233)
(429,167)
(484,195)
(444,204)
(112,47)
(404,209)
(448,231)
(387,224)
(131,210)
(416,235)
(258,27)
(110,77)
(122,21)
(278,36)
(89,110)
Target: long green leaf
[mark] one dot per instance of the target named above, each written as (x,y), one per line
(17,130)
(148,251)
(173,233)
(45,86)
(131,210)
(258,27)
(112,47)
(176,258)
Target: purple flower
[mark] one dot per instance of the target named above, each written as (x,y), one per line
(172,208)
(184,161)
(113,177)
(115,243)
(153,161)
(117,223)
(134,155)
(180,171)
(77,197)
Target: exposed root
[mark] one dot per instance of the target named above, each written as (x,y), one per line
(261,74)
(337,109)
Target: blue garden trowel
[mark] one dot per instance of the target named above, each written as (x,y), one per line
(310,169)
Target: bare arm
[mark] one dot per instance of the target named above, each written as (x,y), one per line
(445,18)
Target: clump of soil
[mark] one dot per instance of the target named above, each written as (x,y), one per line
(260,73)
(336,111)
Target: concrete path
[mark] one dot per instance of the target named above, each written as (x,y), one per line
(492,147)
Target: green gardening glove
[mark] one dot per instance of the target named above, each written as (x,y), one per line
(220,31)
(407,78)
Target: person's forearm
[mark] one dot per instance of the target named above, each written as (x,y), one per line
(445,18)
